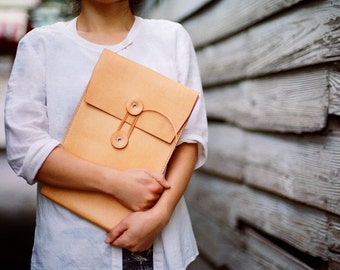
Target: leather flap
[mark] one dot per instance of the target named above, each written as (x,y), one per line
(118,82)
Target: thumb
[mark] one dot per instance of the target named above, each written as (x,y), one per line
(115,232)
(161,180)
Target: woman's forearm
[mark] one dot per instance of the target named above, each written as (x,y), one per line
(138,189)
(178,175)
(62,169)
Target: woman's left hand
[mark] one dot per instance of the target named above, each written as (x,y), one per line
(137,232)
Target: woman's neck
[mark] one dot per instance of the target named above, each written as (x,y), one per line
(106,24)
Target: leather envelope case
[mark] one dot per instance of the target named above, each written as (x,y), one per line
(129,117)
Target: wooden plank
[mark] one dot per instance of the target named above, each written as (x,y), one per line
(334,237)
(227,17)
(221,245)
(146,8)
(294,101)
(333,265)
(334,242)
(176,10)
(263,254)
(303,168)
(200,264)
(334,92)
(215,199)
(228,152)
(300,226)
(236,249)
(297,38)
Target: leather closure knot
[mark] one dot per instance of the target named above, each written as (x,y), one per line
(119,138)
(134,107)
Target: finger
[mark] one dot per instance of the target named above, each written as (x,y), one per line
(121,242)
(164,183)
(152,203)
(117,231)
(161,180)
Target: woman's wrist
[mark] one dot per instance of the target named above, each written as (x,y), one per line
(162,212)
(109,181)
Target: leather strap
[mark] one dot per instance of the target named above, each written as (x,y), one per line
(119,138)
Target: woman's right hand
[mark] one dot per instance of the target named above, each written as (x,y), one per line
(139,189)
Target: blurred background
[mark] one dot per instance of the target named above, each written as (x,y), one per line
(17,199)
(268,196)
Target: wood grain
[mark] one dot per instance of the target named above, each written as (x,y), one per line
(303,168)
(176,10)
(226,152)
(221,21)
(295,101)
(334,89)
(301,37)
(302,227)
(238,249)
(271,77)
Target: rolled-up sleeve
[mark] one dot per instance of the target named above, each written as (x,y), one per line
(196,129)
(28,141)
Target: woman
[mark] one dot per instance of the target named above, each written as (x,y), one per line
(51,71)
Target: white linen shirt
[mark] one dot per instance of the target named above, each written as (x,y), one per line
(50,73)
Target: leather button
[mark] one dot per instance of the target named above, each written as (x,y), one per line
(135,106)
(119,139)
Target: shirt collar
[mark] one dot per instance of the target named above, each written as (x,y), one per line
(72,27)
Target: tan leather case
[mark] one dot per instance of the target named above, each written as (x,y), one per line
(129,117)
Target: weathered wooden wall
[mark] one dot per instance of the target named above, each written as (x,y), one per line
(269,195)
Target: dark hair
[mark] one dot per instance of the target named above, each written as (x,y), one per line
(135,6)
